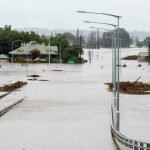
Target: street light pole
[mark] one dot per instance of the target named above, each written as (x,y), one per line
(49,51)
(113,56)
(117,122)
(101,23)
(12,49)
(12,52)
(118,79)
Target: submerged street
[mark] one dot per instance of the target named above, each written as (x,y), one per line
(71,110)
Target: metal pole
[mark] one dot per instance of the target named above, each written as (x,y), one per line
(49,57)
(120,55)
(114,64)
(12,53)
(12,49)
(60,54)
(97,38)
(113,60)
(115,82)
(118,86)
(49,51)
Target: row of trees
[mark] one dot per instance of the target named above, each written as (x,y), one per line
(95,41)
(69,51)
(142,43)
(70,44)
(7,36)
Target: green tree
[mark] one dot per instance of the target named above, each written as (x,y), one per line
(70,38)
(139,44)
(124,36)
(107,39)
(72,53)
(7,36)
(145,42)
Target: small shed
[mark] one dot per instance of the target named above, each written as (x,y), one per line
(4,58)
(143,56)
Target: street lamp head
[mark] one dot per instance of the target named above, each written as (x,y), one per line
(116,16)
(81,11)
(100,28)
(101,23)
(87,21)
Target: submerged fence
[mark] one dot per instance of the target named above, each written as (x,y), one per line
(6,109)
(125,143)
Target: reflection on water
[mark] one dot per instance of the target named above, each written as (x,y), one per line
(70,111)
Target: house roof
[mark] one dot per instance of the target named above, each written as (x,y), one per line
(143,54)
(2,56)
(33,45)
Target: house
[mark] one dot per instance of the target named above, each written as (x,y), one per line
(4,58)
(143,56)
(33,52)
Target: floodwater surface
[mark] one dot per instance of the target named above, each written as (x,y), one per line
(71,110)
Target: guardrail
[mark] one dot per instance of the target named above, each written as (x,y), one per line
(1,96)
(6,109)
(125,141)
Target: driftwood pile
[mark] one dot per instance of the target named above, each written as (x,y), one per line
(12,86)
(132,57)
(137,88)
(34,78)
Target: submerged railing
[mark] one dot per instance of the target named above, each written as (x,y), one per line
(1,96)
(6,109)
(125,141)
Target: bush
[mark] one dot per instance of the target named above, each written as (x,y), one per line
(78,60)
(55,60)
(139,65)
(20,60)
(124,65)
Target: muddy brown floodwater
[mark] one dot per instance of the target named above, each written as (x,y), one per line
(70,109)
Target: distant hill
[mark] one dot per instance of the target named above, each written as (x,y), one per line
(47,31)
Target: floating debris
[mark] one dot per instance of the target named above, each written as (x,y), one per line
(124,65)
(132,57)
(33,79)
(43,80)
(139,65)
(137,88)
(34,76)
(12,86)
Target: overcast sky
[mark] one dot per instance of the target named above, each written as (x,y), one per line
(61,14)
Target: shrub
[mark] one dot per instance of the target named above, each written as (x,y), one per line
(78,60)
(55,60)
(124,65)
(139,65)
(20,60)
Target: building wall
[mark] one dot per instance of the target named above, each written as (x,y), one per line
(142,58)
(4,60)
